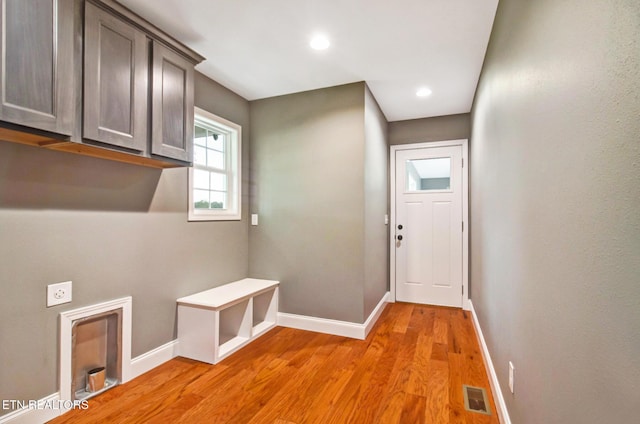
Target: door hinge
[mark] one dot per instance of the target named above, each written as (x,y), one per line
(463,290)
(463,226)
(463,162)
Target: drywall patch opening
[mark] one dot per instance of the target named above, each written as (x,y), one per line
(93,337)
(96,354)
(475,399)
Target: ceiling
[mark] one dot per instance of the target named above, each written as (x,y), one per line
(261,49)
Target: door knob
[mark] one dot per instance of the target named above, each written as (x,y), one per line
(400,227)
(399,238)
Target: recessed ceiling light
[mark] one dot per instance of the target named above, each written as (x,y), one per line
(319,42)
(423,92)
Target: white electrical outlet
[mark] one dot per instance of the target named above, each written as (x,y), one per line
(254,219)
(511,371)
(59,293)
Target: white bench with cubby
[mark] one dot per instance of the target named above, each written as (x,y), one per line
(214,323)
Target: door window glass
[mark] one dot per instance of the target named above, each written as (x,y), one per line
(428,174)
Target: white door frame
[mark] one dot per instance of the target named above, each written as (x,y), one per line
(465,212)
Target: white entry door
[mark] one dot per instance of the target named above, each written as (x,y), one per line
(429,225)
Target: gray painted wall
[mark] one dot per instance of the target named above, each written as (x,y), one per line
(555,194)
(308,187)
(115,230)
(376,233)
(439,128)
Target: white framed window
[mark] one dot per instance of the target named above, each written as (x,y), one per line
(215,177)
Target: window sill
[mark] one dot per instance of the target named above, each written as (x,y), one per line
(209,216)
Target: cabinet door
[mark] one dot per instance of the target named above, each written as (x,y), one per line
(116,79)
(172,107)
(36,58)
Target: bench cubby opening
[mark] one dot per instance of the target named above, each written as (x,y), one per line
(264,312)
(235,326)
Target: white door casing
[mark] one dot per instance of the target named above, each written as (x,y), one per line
(429,245)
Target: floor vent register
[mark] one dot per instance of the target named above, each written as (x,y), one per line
(475,399)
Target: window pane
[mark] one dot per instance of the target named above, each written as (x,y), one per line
(218,200)
(218,181)
(200,155)
(215,141)
(200,136)
(428,174)
(215,159)
(221,142)
(200,179)
(201,199)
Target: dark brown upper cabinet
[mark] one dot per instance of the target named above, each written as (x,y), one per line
(36,58)
(172,104)
(93,78)
(124,67)
(116,74)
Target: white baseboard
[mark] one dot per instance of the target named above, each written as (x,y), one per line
(153,358)
(47,410)
(501,406)
(331,326)
(375,314)
(139,365)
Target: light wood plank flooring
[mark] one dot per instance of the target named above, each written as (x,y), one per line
(409,370)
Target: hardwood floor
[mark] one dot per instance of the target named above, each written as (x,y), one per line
(409,370)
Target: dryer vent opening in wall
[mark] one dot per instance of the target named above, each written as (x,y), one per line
(475,399)
(96,354)
(95,348)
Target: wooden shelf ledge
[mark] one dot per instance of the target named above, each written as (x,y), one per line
(65,145)
(31,139)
